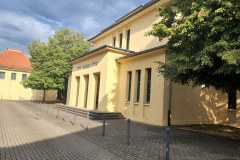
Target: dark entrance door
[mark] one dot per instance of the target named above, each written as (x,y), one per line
(97,76)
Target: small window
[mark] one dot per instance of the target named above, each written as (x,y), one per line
(148,85)
(128,39)
(120,40)
(138,72)
(129,85)
(13,76)
(114,41)
(24,76)
(2,75)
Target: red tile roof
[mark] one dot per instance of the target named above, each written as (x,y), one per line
(14,59)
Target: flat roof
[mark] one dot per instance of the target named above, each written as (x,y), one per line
(100,48)
(141,52)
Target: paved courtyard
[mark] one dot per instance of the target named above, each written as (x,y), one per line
(29,133)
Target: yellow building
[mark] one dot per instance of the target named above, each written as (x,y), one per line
(15,67)
(120,75)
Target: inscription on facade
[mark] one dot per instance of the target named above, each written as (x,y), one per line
(85,66)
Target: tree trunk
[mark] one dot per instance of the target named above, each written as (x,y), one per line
(44,95)
(232,99)
(59,95)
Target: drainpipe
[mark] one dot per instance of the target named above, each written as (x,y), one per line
(169,120)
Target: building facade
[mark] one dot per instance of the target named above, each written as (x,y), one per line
(15,67)
(120,75)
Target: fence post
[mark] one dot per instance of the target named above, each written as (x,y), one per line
(167,142)
(128,131)
(65,113)
(103,129)
(75,117)
(87,120)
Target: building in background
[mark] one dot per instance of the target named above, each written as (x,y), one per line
(120,75)
(15,67)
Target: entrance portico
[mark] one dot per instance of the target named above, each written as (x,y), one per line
(94,79)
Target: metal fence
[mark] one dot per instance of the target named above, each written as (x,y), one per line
(61,112)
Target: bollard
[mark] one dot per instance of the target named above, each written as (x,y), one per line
(128,131)
(65,113)
(103,130)
(167,142)
(75,117)
(88,120)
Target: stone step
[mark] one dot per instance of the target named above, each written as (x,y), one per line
(93,114)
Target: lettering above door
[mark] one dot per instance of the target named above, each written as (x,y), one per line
(87,65)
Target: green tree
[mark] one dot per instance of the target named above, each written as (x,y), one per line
(38,79)
(64,46)
(51,61)
(204,44)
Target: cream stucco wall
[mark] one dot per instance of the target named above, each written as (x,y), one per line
(154,112)
(188,105)
(14,90)
(101,67)
(139,25)
(201,106)
(102,64)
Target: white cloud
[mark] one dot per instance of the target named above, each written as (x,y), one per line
(30,28)
(23,21)
(89,24)
(10,44)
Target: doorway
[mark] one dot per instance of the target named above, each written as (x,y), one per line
(86,78)
(97,89)
(77,91)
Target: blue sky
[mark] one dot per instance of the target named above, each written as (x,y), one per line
(24,20)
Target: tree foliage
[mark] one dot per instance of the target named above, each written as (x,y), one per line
(204,42)
(37,79)
(50,60)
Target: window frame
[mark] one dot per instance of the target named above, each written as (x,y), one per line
(23,78)
(148,85)
(13,78)
(128,39)
(120,40)
(138,85)
(129,85)
(4,75)
(114,41)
